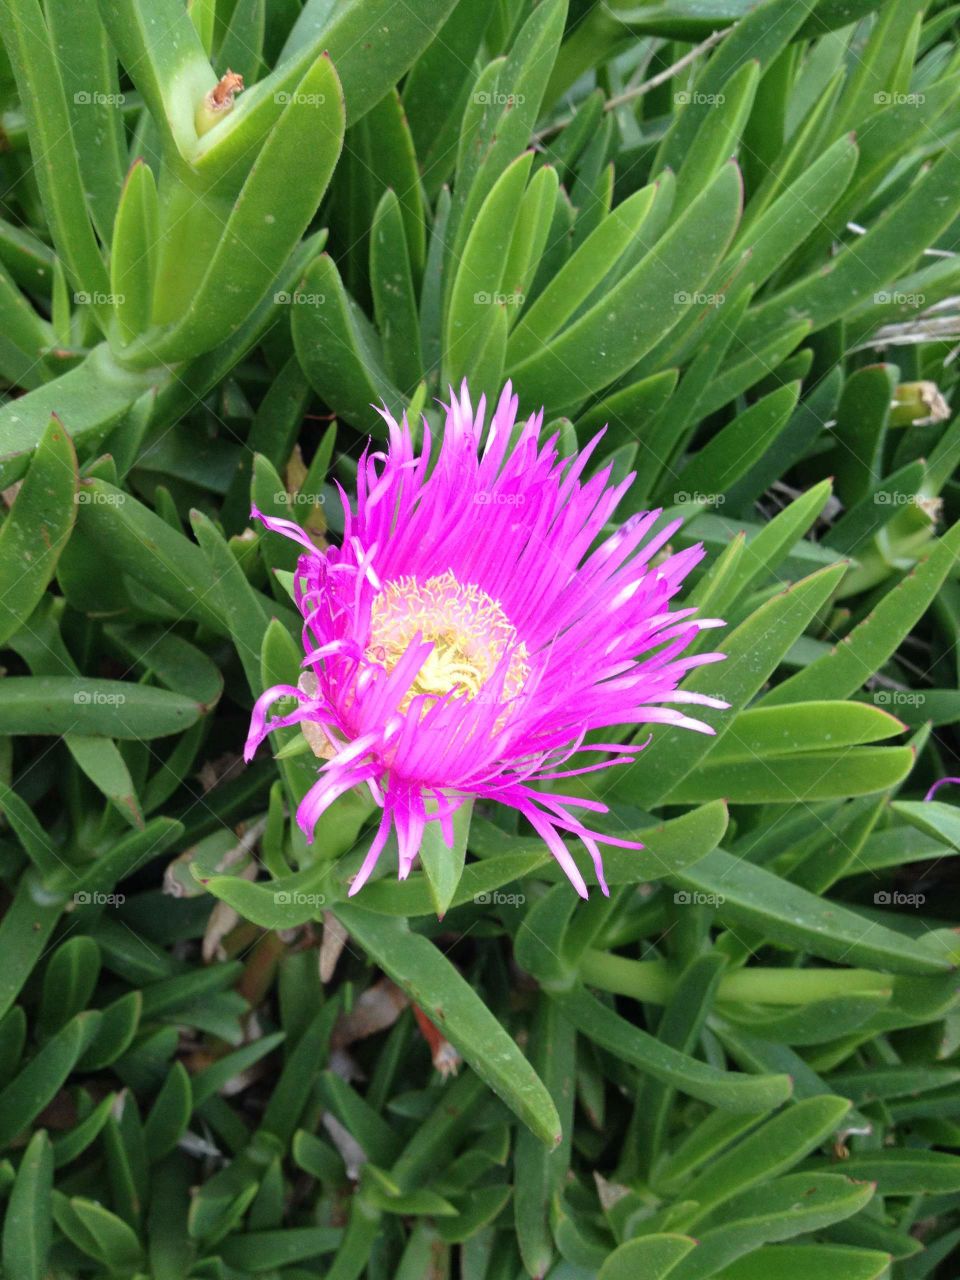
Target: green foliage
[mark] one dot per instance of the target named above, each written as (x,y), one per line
(738,256)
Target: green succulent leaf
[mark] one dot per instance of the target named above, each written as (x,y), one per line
(656,1256)
(792,916)
(614,333)
(711,242)
(436,986)
(37,528)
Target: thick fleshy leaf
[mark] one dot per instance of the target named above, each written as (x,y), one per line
(28,1226)
(133,256)
(157,41)
(727,1090)
(25,1096)
(620,328)
(753,652)
(793,917)
(815,775)
(337,347)
(443,866)
(262,230)
(31,51)
(797,1262)
(452,1004)
(370,44)
(76,704)
(655,1256)
(845,669)
(37,528)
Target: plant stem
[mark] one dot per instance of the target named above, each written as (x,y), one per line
(654,981)
(637,91)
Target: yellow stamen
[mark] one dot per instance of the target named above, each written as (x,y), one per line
(469,630)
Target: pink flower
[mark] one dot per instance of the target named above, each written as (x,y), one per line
(470,631)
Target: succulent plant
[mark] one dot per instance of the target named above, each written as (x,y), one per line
(250,251)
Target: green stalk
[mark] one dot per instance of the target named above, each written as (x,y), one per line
(654,981)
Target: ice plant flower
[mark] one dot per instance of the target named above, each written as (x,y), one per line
(470,630)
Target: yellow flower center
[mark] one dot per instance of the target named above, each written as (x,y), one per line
(469,630)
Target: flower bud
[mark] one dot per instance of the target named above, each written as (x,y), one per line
(918,404)
(218,102)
